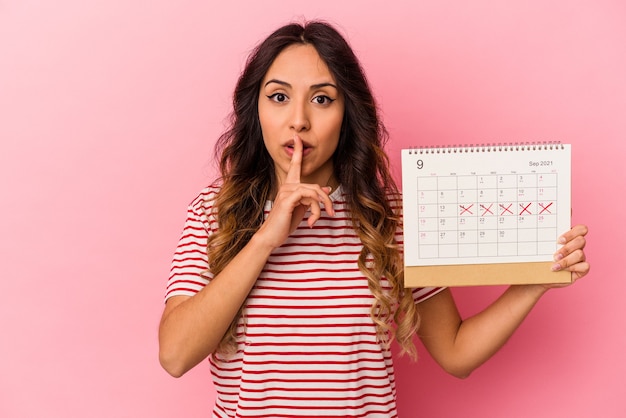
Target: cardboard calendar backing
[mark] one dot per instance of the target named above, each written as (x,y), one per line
(488,215)
(484,275)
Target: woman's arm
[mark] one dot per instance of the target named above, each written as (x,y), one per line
(460,346)
(192,327)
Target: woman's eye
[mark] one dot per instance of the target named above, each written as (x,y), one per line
(278,97)
(323,100)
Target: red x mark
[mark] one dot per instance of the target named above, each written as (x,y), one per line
(545,208)
(506,209)
(486,209)
(466,209)
(525,208)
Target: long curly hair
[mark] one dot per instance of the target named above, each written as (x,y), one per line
(360,165)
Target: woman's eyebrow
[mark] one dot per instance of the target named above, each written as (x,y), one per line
(282,83)
(313,87)
(320,85)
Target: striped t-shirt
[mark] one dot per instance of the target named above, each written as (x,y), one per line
(308,345)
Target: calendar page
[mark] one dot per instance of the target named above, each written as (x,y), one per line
(485,204)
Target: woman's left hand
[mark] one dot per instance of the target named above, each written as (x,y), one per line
(571,255)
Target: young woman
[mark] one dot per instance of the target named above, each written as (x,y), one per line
(288,275)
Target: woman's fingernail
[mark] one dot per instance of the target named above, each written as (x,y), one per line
(556,267)
(558,257)
(561,240)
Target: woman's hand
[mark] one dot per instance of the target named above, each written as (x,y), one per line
(571,255)
(292,201)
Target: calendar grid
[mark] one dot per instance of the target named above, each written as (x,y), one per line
(494,215)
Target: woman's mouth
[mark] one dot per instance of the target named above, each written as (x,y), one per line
(291,147)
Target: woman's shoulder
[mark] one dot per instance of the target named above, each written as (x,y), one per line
(394,197)
(205,199)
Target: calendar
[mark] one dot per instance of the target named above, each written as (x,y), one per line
(488,214)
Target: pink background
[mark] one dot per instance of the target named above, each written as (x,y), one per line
(108,115)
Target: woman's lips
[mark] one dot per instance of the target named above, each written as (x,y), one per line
(305,151)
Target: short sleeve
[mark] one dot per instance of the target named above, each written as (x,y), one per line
(420,294)
(189,269)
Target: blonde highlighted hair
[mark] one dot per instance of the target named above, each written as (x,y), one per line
(360,165)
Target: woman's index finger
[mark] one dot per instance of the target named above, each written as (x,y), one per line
(295,167)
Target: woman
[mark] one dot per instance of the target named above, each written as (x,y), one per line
(289,275)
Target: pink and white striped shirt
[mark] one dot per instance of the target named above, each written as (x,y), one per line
(308,345)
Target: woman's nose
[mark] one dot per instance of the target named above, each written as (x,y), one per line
(300,118)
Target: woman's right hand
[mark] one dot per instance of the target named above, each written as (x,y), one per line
(292,201)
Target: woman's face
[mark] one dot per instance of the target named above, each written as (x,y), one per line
(299,96)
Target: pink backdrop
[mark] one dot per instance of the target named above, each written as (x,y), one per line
(108,114)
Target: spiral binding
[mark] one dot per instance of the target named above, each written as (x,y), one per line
(495,147)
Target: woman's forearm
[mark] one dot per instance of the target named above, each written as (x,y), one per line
(482,335)
(192,327)
(461,346)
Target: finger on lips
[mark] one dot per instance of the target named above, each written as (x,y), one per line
(295,167)
(294,177)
